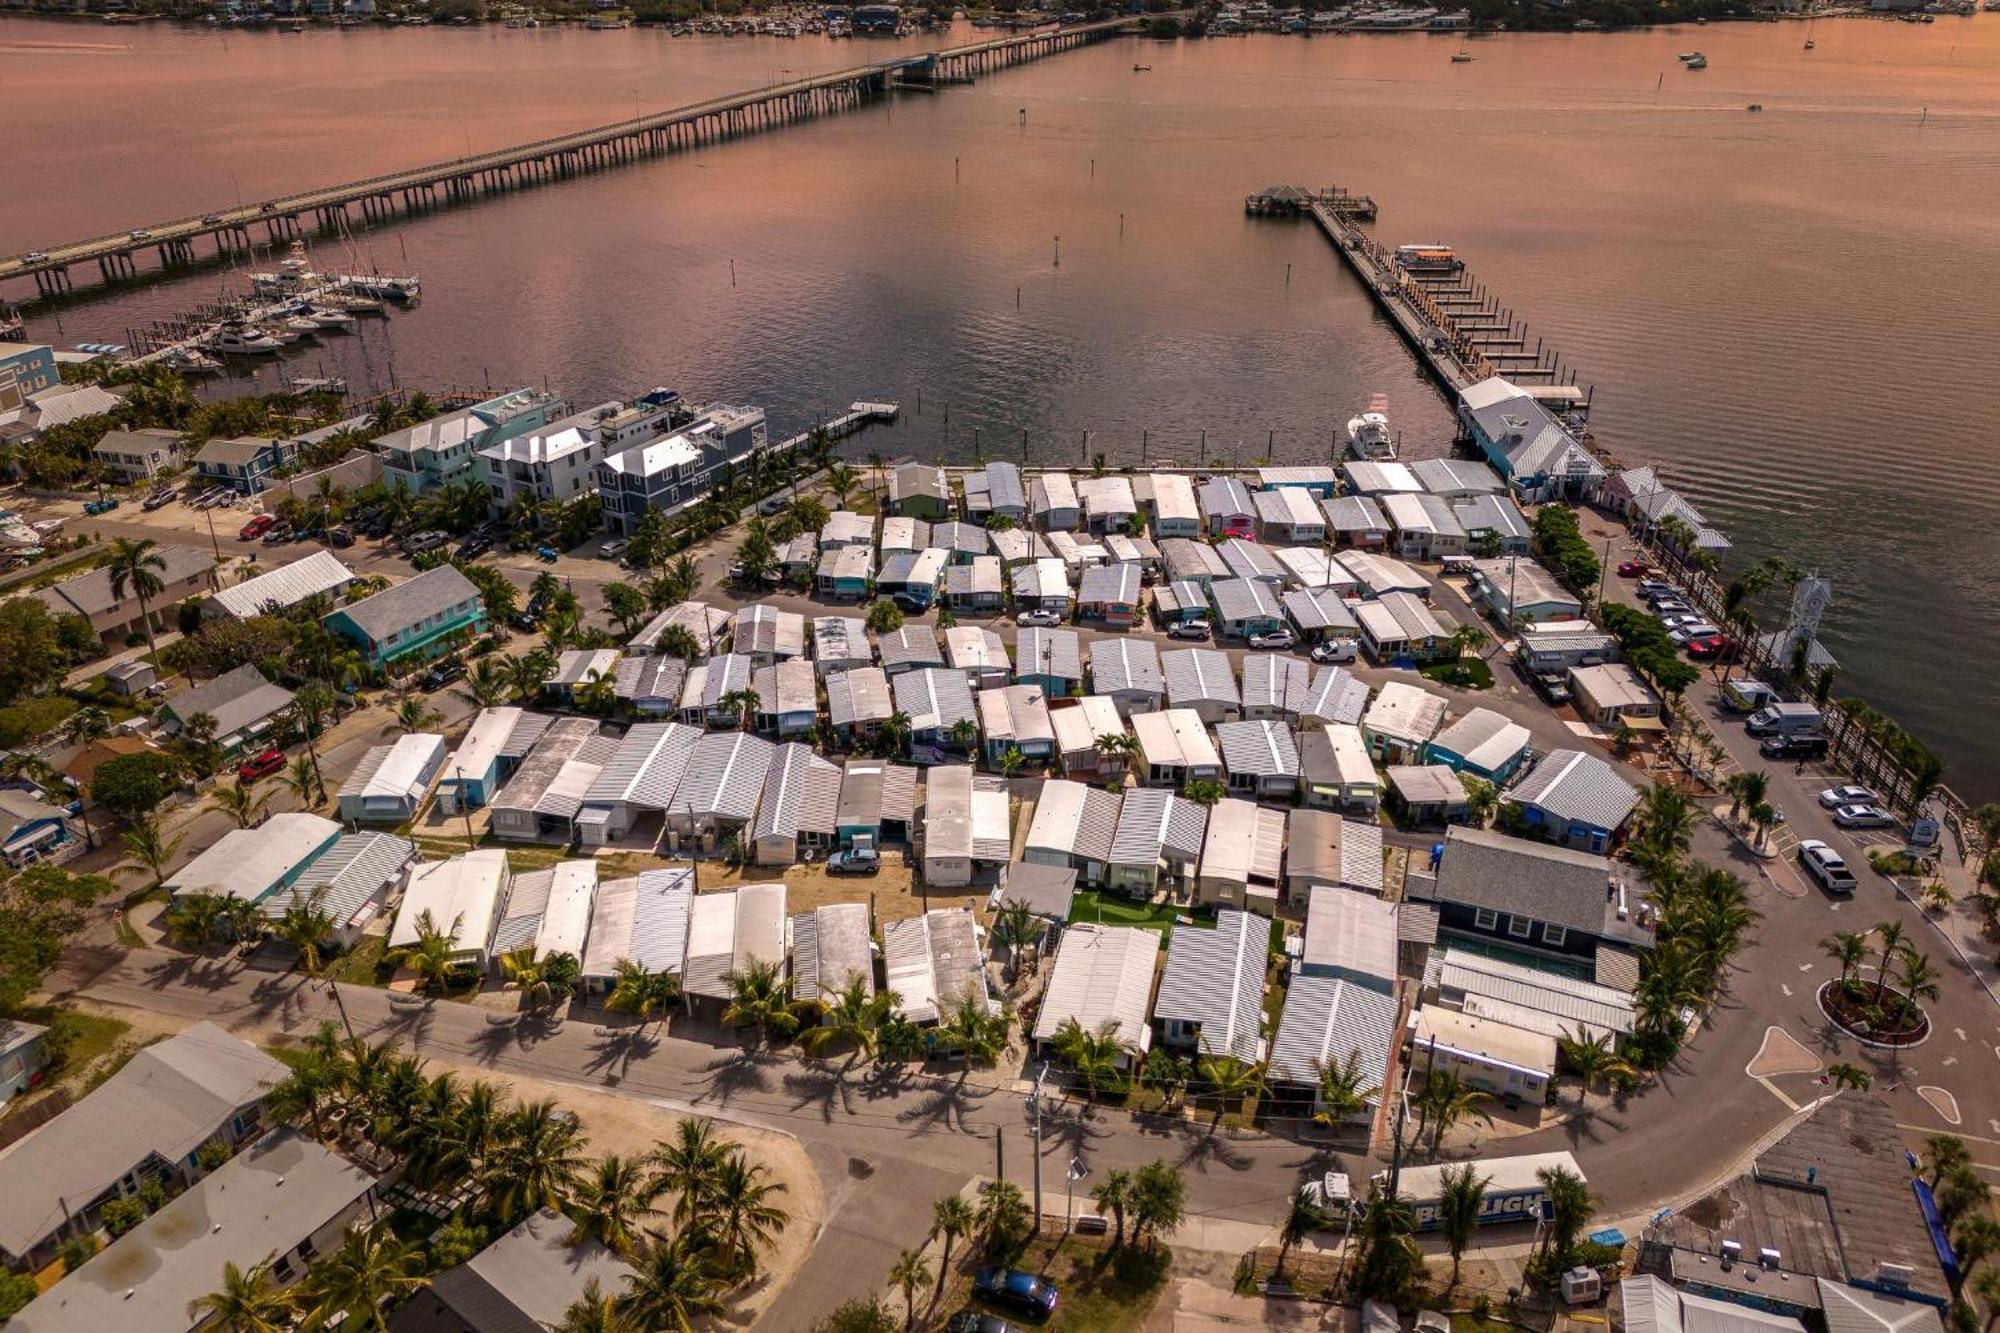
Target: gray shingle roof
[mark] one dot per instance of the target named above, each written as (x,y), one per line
(525,1281)
(1216,978)
(1528,879)
(404,604)
(1578,788)
(235,699)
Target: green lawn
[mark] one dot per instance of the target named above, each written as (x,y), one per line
(359,965)
(1115,909)
(1468,673)
(1101,1292)
(96,1035)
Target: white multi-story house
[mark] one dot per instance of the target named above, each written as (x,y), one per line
(444,450)
(560,462)
(678,463)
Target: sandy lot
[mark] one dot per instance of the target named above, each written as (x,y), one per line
(894,891)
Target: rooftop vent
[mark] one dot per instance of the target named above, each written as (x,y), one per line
(1767,1257)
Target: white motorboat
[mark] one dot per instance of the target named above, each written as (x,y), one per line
(375,284)
(303,325)
(1697,61)
(188,361)
(241,340)
(294,274)
(1368,435)
(330,317)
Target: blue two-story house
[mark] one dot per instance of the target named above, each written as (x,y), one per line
(682,463)
(1538,456)
(244,463)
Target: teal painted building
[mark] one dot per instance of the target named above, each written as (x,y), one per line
(414,620)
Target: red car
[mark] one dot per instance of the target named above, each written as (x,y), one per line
(263,766)
(1712,648)
(1633,569)
(256,527)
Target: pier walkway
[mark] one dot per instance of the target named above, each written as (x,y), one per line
(1459,330)
(421,188)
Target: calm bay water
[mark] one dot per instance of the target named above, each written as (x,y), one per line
(1792,312)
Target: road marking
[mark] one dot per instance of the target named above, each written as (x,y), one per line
(1781,1053)
(1807,967)
(1786,989)
(1950,1060)
(1772,1088)
(1941,1101)
(1960,1032)
(1930,1129)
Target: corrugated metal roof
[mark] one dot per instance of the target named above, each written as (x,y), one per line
(1275,683)
(976,649)
(1327,1019)
(1403,712)
(786,689)
(860,695)
(705,622)
(1483,738)
(1056,653)
(350,872)
(1562,997)
(1102,975)
(644,919)
(1199,675)
(768,631)
(1074,820)
(1216,978)
(728,674)
(1126,666)
(1016,713)
(402,769)
(724,778)
(935,699)
(1380,573)
(286,586)
(1245,843)
(1319,609)
(528,729)
(1226,497)
(1109,584)
(461,894)
(831,947)
(1336,696)
(1288,506)
(841,642)
(650,684)
(1080,722)
(796,794)
(933,961)
(1350,931)
(1241,599)
(1262,748)
(1577,788)
(1051,491)
(1192,561)
(1252,561)
(911,646)
(1156,823)
(1354,513)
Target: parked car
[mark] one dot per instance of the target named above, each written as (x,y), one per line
(1686,634)
(614,548)
(1334,650)
(210,219)
(1835,797)
(441,675)
(1712,648)
(429,540)
(263,766)
(1862,816)
(1042,617)
(1793,747)
(473,547)
(158,499)
(1031,1295)
(1275,640)
(916,606)
(1826,865)
(342,536)
(256,527)
(34,257)
(1196,630)
(1632,569)
(1671,619)
(277,535)
(854,861)
(1652,587)
(1553,686)
(972,1321)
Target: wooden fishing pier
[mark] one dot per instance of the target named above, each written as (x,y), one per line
(232,230)
(1459,330)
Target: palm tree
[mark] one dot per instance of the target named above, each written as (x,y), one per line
(1098,1058)
(536,1163)
(1592,1058)
(612,1201)
(1113,1194)
(136,566)
(369,1270)
(1205,791)
(757,1000)
(595,1312)
(671,1291)
(895,732)
(302,780)
(910,1273)
(1446,1101)
(413,714)
(1918,977)
(85,725)
(249,1301)
(1849,949)
(540,981)
(963,733)
(1229,1079)
(1012,761)
(434,956)
(1303,1216)
(193,918)
(974,1030)
(1342,1091)
(305,926)
(486,685)
(742,704)
(1002,1215)
(1665,821)
(240,801)
(688,1166)
(742,1213)
(310,708)
(150,848)
(951,1218)
(1167,1072)
(1890,940)
(852,1018)
(1849,1076)
(1159,1201)
(527,673)
(1570,1204)
(1387,1256)
(1461,1194)
(638,990)
(1014,924)
(1747,788)
(840,480)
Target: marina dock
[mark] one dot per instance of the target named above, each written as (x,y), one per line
(420,189)
(1459,330)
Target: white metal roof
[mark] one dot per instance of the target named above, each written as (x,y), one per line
(1380,573)
(1327,1019)
(644,919)
(1102,975)
(1080,722)
(1049,652)
(841,641)
(801,794)
(462,895)
(1578,788)
(1175,737)
(976,649)
(1485,1039)
(1275,682)
(482,742)
(1263,748)
(650,761)
(1483,738)
(786,688)
(248,862)
(933,961)
(1403,712)
(399,770)
(936,698)
(1245,844)
(286,586)
(1350,931)
(1125,665)
(1199,675)
(731,930)
(565,921)
(860,695)
(1216,978)
(1074,820)
(1173,498)
(725,776)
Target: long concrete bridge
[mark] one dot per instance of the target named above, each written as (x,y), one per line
(421,188)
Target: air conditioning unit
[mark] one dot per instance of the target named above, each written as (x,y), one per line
(1767,1257)
(1581,1286)
(1732,1252)
(1899,1276)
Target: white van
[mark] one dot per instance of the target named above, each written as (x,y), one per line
(1743,695)
(1783,719)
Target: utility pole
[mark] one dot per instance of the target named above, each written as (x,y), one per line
(1035,1105)
(1603,568)
(999,1153)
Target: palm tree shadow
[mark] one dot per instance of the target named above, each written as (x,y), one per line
(407,1021)
(612,1055)
(492,1041)
(1072,1132)
(190,970)
(742,1072)
(1209,1146)
(936,1109)
(820,1084)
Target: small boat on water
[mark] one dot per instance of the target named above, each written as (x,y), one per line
(240,340)
(294,274)
(321,384)
(188,361)
(1809,43)
(329,317)
(1368,435)
(382,285)
(1461,57)
(1142,69)
(1697,61)
(1755,106)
